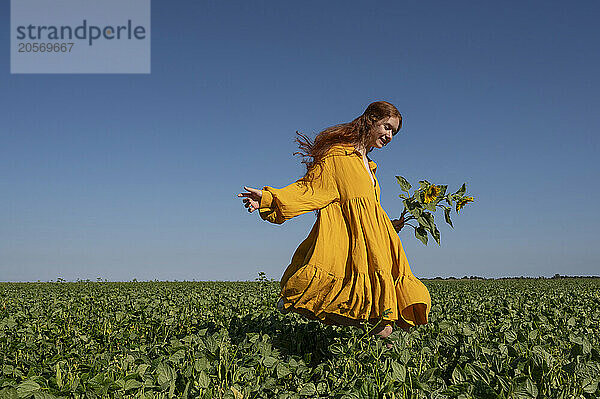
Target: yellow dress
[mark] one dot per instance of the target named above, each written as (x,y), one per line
(352,263)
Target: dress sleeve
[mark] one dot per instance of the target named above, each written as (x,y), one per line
(280,204)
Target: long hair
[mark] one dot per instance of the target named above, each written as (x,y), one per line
(356,132)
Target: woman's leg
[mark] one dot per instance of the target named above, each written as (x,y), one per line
(403,325)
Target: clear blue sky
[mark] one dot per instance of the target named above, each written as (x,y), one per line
(136,176)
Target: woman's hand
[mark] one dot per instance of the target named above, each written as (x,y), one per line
(398,224)
(252,200)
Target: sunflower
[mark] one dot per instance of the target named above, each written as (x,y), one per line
(431,194)
(462,202)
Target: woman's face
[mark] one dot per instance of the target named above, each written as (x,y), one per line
(382,132)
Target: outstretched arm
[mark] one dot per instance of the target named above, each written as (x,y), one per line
(280,204)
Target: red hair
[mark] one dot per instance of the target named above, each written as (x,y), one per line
(356,132)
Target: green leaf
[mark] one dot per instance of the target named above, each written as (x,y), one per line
(132,384)
(165,373)
(269,361)
(461,190)
(478,373)
(398,372)
(368,390)
(532,335)
(586,346)
(141,369)
(43,395)
(436,235)
(322,388)
(503,382)
(412,205)
(447,216)
(590,385)
(203,380)
(236,393)
(8,393)
(8,322)
(27,388)
(201,364)
(525,388)
(336,349)
(269,383)
(404,184)
(429,220)
(423,184)
(59,380)
(510,336)
(544,357)
(423,222)
(445,325)
(458,375)
(308,389)
(421,234)
(417,211)
(282,370)
(179,355)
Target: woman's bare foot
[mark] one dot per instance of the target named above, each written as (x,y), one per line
(383,331)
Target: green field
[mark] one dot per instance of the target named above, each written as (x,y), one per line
(521,338)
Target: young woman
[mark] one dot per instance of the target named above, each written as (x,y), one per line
(351,267)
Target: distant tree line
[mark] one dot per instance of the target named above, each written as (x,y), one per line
(263,278)
(506,278)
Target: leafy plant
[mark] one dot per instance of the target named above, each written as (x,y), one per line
(509,338)
(421,205)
